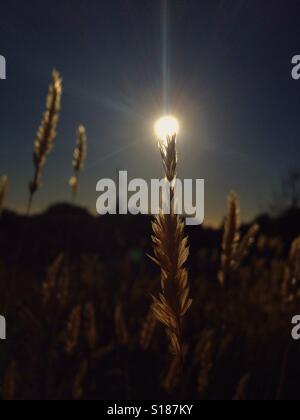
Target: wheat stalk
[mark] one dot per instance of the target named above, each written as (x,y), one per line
(170,254)
(3,192)
(231,237)
(46,133)
(234,248)
(172,375)
(79,157)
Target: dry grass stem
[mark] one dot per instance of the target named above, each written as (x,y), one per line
(79,158)
(46,133)
(231,237)
(234,249)
(173,374)
(170,254)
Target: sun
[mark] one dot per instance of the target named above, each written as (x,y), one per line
(167,126)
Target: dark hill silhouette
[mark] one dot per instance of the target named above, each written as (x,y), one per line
(73,230)
(65,210)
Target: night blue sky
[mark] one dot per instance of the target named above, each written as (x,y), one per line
(223,65)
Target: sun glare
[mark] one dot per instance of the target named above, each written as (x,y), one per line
(165,127)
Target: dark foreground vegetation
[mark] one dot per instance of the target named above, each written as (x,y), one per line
(76,293)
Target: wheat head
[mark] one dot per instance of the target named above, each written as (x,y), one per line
(79,157)
(46,133)
(170,254)
(234,248)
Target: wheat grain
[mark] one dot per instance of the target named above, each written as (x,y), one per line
(79,157)
(3,192)
(170,254)
(46,133)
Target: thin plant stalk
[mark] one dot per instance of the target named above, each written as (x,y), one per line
(79,157)
(235,248)
(43,145)
(46,135)
(170,254)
